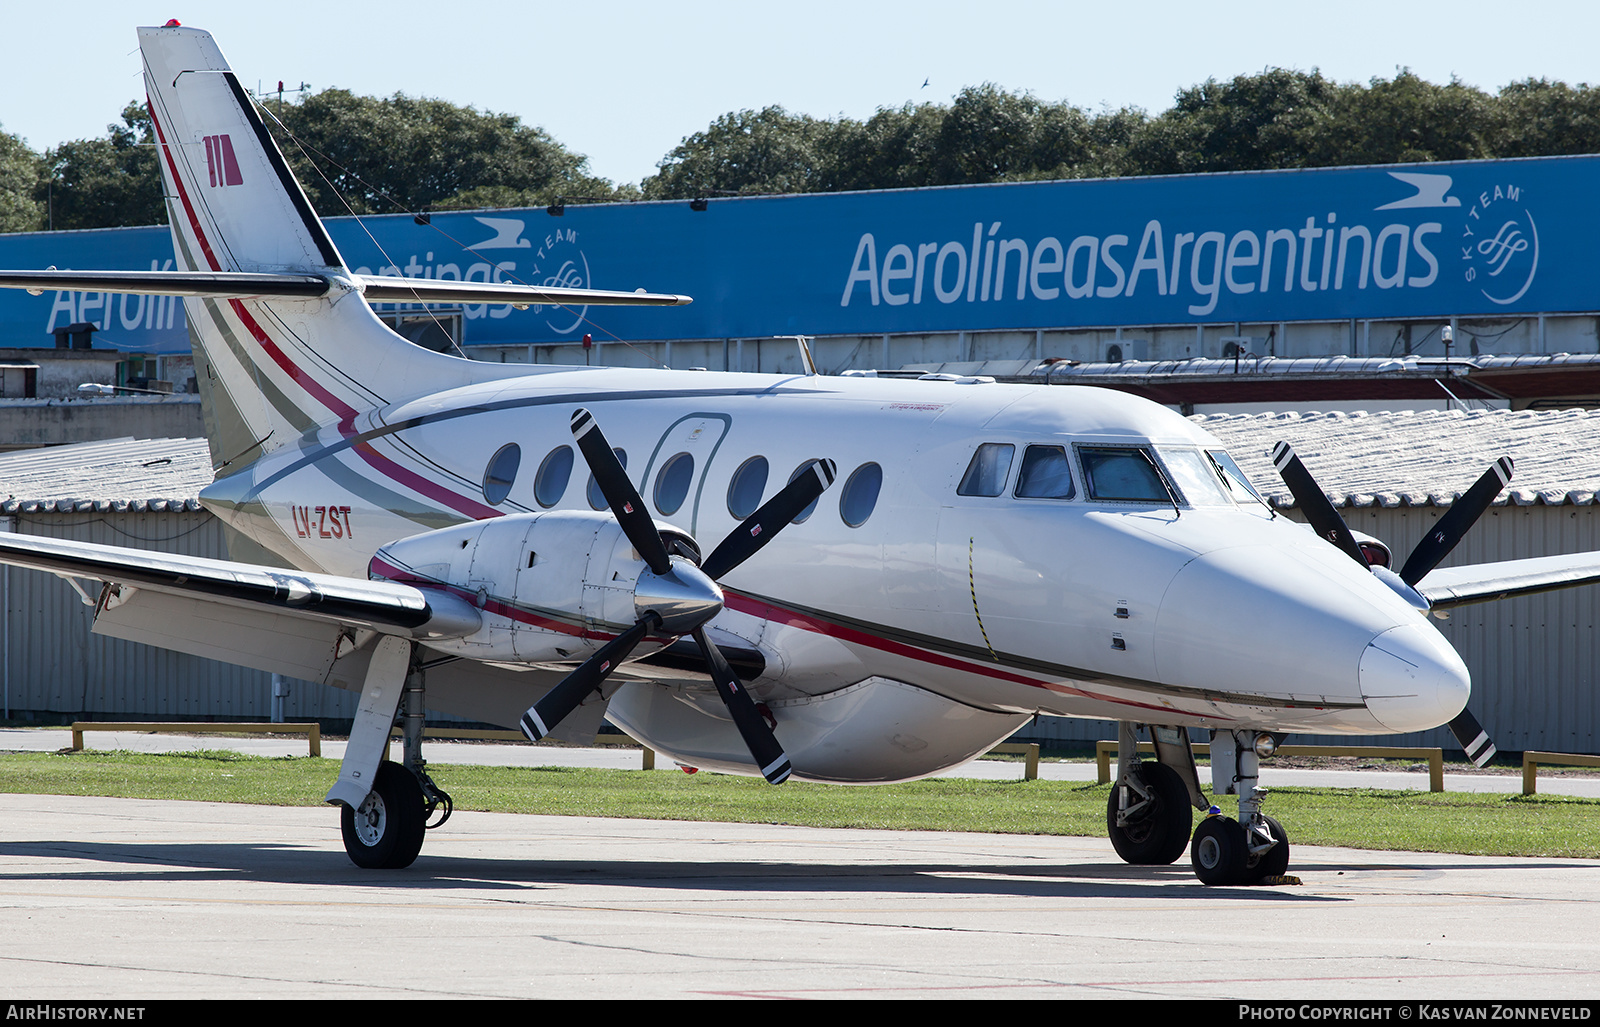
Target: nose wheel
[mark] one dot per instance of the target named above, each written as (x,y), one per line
(1253,849)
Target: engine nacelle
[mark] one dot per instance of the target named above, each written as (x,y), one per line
(551,587)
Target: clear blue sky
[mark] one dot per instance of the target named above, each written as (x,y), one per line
(624,81)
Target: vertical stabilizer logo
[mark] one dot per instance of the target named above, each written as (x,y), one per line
(222,165)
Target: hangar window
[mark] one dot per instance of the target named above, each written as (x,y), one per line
(501,473)
(986,475)
(597,499)
(672,483)
(1045,474)
(860,494)
(551,482)
(1122,474)
(747,486)
(809,510)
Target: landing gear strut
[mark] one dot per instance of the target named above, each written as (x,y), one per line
(386,806)
(1253,848)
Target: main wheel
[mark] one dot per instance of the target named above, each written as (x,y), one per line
(1218,852)
(1275,861)
(385,831)
(1158,836)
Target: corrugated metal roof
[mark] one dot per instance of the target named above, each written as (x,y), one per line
(1421,458)
(116,474)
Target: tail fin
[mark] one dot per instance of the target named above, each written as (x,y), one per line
(269,369)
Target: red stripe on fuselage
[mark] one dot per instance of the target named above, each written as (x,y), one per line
(792,618)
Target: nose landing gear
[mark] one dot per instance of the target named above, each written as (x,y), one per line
(1253,849)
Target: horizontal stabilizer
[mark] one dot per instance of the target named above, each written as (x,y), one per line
(1481,583)
(215,284)
(376,288)
(384,289)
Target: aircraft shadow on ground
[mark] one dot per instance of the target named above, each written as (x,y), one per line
(297,865)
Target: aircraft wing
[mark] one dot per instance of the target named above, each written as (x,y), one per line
(316,627)
(382,606)
(1449,587)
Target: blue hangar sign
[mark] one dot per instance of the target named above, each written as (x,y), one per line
(1475,238)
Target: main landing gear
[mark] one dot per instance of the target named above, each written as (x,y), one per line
(386,806)
(1148,817)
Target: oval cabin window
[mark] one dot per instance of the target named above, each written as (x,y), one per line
(860,494)
(748,484)
(551,482)
(501,473)
(672,483)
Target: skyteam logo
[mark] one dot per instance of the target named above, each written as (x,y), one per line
(558,263)
(1500,244)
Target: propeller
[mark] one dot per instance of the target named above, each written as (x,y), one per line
(678,597)
(1427,554)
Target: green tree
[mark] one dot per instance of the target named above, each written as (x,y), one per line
(19,177)
(1403,119)
(1537,117)
(750,152)
(104,183)
(1249,123)
(363,154)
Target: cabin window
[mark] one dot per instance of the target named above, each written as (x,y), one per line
(812,507)
(986,475)
(597,499)
(1196,477)
(1122,474)
(860,494)
(672,483)
(551,482)
(747,486)
(1045,474)
(501,473)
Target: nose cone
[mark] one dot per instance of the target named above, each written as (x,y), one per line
(1412,679)
(1275,622)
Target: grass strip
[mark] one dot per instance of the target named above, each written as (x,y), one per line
(1458,822)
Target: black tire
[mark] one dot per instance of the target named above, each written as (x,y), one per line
(1157,838)
(1275,861)
(385,833)
(1218,851)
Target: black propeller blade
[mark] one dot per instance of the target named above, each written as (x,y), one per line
(742,543)
(544,715)
(758,737)
(1473,738)
(624,501)
(1324,519)
(776,513)
(1438,543)
(1461,516)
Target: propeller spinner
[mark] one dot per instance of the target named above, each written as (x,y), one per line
(676,597)
(1427,554)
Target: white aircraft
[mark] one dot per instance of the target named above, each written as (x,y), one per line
(994,552)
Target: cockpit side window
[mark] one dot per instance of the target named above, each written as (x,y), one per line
(1045,474)
(1122,474)
(1234,478)
(986,474)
